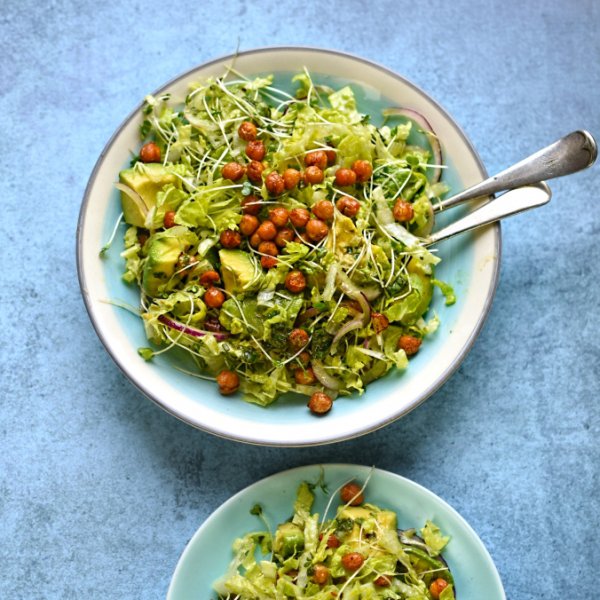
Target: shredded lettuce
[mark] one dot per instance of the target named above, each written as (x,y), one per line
(368,264)
(306,558)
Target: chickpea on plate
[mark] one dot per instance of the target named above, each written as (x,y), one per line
(276,238)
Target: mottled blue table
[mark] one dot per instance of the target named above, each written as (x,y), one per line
(100,490)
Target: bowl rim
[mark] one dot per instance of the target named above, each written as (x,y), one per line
(428,392)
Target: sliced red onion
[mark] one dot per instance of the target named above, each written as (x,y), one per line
(424,124)
(137,199)
(344,329)
(324,378)
(190,330)
(351,289)
(370,293)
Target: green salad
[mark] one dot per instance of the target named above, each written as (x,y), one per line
(277,238)
(358,554)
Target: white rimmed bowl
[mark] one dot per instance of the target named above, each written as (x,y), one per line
(470,263)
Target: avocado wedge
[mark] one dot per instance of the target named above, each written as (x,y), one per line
(146,180)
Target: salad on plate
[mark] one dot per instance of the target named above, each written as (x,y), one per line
(357,553)
(277,238)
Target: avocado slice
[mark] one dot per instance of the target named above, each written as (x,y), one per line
(237,269)
(164,248)
(386,519)
(146,180)
(289,539)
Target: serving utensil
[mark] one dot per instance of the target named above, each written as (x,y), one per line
(509,203)
(571,153)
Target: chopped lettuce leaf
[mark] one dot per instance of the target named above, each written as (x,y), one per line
(433,537)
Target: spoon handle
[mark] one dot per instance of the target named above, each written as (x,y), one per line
(510,203)
(572,153)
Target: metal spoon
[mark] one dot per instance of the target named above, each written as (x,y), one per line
(572,153)
(509,203)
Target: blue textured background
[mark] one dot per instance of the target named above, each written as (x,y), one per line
(100,490)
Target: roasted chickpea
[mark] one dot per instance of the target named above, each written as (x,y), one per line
(248,224)
(142,236)
(254,171)
(323,209)
(437,587)
(345,177)
(230,238)
(279,216)
(251,205)
(333,541)
(313,175)
(320,574)
(274,183)
(352,494)
(320,403)
(247,131)
(403,211)
(209,278)
(284,236)
(382,581)
(300,239)
(268,248)
(317,158)
(267,230)
(268,262)
(214,298)
(331,157)
(228,382)
(295,282)
(233,171)
(291,178)
(363,170)
(305,376)
(169,219)
(349,207)
(353,561)
(299,217)
(255,240)
(380,322)
(316,230)
(409,344)
(298,338)
(150,153)
(304,358)
(255,150)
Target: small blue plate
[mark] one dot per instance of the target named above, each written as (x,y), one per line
(209,552)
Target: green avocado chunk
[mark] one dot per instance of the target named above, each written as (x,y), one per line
(289,539)
(237,269)
(146,180)
(164,248)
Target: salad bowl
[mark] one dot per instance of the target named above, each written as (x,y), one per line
(469,263)
(209,552)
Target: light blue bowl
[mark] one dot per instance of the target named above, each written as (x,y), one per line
(470,263)
(208,553)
